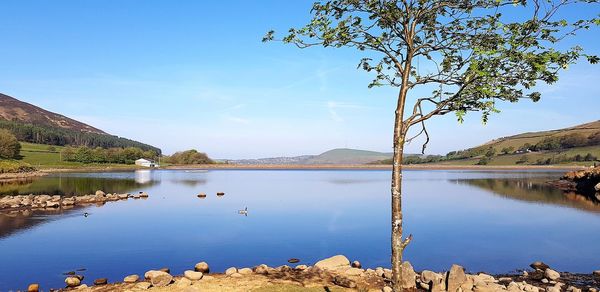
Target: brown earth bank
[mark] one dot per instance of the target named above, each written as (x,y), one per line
(338,274)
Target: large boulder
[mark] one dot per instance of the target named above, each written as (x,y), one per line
(333,263)
(231,271)
(456,278)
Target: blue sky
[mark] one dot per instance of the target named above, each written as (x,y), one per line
(195,74)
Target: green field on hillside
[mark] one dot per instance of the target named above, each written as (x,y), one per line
(48,156)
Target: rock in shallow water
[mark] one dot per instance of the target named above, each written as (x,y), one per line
(33,288)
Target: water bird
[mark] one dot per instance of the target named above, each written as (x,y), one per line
(243,212)
(86,214)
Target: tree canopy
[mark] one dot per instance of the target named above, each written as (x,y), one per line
(9,145)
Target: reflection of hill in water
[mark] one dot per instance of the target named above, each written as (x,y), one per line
(533,190)
(70,185)
(25,219)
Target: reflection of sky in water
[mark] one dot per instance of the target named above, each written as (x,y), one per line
(307,215)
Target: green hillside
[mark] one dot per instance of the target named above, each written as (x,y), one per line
(348,156)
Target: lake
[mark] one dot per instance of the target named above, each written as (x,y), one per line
(493,221)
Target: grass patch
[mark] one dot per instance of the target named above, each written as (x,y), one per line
(14,166)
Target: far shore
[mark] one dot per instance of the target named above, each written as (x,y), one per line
(114,168)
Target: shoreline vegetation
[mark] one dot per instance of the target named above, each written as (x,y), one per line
(337,273)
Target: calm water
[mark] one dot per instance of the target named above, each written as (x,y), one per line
(487,221)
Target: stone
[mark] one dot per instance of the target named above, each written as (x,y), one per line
(100,281)
(166,270)
(408,277)
(537,275)
(231,271)
(333,263)
(356,264)
(344,282)
(300,267)
(552,274)
(456,277)
(553,289)
(160,279)
(202,195)
(183,282)
(33,288)
(539,266)
(202,267)
(353,272)
(194,276)
(261,269)
(293,261)
(505,279)
(596,273)
(513,287)
(236,275)
(143,285)
(387,274)
(573,289)
(434,280)
(131,279)
(52,204)
(82,286)
(220,194)
(424,286)
(100,193)
(597,187)
(245,271)
(387,289)
(379,272)
(207,278)
(143,195)
(545,281)
(72,281)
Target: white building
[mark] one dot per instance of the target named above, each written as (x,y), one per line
(146,163)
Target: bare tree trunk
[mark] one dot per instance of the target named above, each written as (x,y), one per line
(397,242)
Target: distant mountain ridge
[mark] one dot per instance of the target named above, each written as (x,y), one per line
(334,156)
(12,109)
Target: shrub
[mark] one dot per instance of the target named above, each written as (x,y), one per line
(9,146)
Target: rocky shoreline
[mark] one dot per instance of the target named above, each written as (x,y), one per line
(585,182)
(338,274)
(46,202)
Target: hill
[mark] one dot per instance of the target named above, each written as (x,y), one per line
(33,124)
(12,109)
(347,156)
(578,145)
(335,156)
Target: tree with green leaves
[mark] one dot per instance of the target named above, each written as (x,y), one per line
(9,145)
(472,55)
